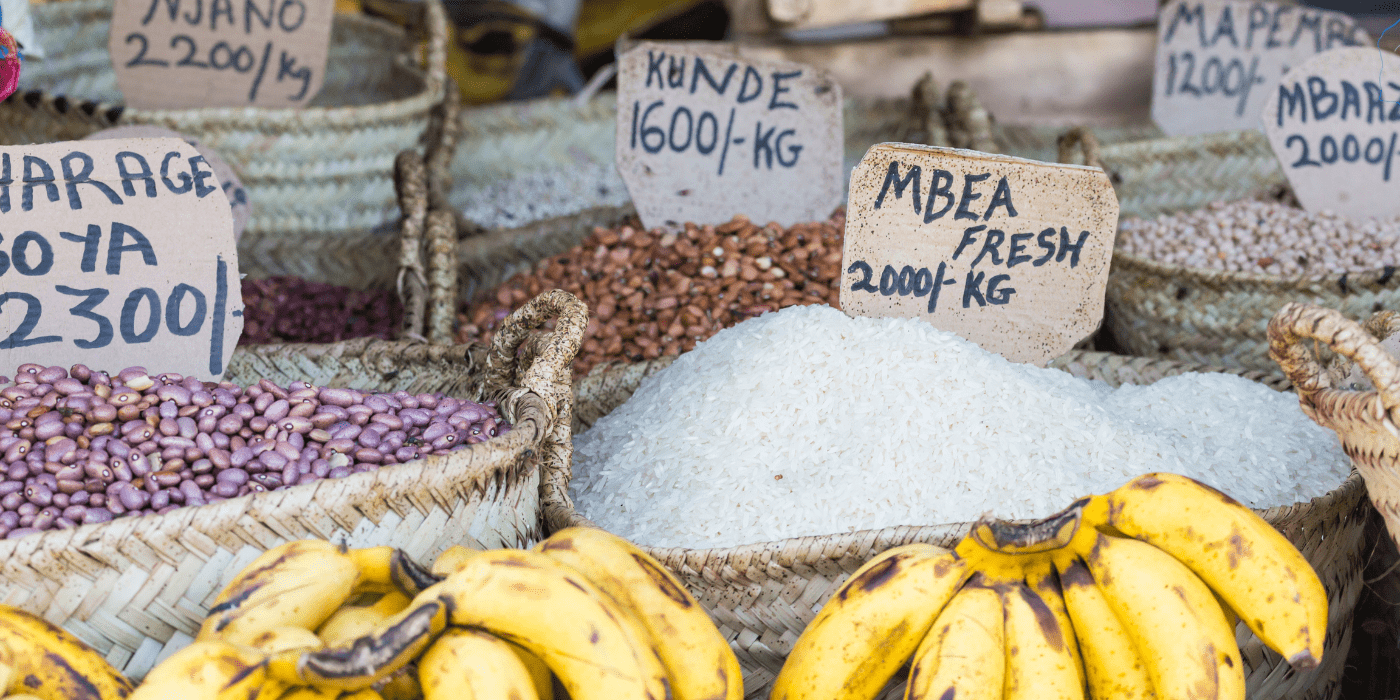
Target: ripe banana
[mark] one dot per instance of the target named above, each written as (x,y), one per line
(401,685)
(964,654)
(211,670)
(700,663)
(469,665)
(1040,661)
(297,584)
(384,569)
(451,560)
(539,672)
(871,625)
(308,692)
(1253,568)
(46,661)
(1172,618)
(284,639)
(353,621)
(590,643)
(1112,664)
(1041,578)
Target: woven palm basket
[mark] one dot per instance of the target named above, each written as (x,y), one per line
(1201,315)
(319,178)
(762,595)
(138,588)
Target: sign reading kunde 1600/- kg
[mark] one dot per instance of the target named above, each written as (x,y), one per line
(1009,253)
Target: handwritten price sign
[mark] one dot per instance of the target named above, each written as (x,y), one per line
(1334,123)
(220,53)
(1216,61)
(702,136)
(116,253)
(1009,253)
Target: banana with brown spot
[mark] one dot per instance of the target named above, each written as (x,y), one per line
(298,584)
(1040,663)
(964,655)
(470,665)
(1112,664)
(211,670)
(46,661)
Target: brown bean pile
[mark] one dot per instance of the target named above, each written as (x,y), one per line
(294,310)
(652,293)
(80,446)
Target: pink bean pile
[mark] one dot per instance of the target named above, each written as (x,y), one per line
(294,310)
(80,446)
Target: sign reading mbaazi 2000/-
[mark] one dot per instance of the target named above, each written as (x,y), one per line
(703,135)
(1009,253)
(115,254)
(1217,60)
(1334,123)
(174,54)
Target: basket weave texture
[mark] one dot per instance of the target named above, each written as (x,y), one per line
(763,595)
(1201,315)
(136,588)
(319,178)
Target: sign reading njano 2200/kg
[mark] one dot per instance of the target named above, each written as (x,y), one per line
(703,135)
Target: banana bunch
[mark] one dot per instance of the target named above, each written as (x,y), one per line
(584,608)
(1131,594)
(39,661)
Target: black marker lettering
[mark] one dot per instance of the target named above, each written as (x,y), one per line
(1046,242)
(749,72)
(90,242)
(46,180)
(1071,248)
(117,245)
(778,89)
(1017,247)
(1001,198)
(994,239)
(72,180)
(700,70)
(892,178)
(128,177)
(968,196)
(968,238)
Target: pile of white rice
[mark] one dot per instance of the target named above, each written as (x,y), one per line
(808,422)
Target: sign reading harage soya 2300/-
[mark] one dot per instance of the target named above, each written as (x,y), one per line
(1217,61)
(703,135)
(173,54)
(114,254)
(1009,253)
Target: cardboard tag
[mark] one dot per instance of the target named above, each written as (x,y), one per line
(176,54)
(1012,254)
(1217,61)
(703,135)
(228,180)
(116,253)
(1333,123)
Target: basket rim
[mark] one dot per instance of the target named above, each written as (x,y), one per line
(285,119)
(1347,282)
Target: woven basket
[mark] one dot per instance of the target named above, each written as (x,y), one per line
(136,588)
(763,595)
(1201,315)
(319,178)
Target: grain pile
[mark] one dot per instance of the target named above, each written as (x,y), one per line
(294,310)
(1262,235)
(651,293)
(808,422)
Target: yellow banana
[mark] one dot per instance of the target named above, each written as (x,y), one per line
(401,685)
(469,665)
(872,625)
(699,660)
(23,696)
(539,672)
(964,654)
(46,661)
(309,692)
(353,621)
(451,560)
(211,670)
(1040,662)
(1182,634)
(1041,578)
(297,584)
(1112,665)
(1250,565)
(383,569)
(590,643)
(285,638)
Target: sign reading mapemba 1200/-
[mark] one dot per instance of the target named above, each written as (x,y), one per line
(115,254)
(1009,253)
(220,53)
(703,135)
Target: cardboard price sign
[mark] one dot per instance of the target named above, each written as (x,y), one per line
(175,54)
(703,135)
(1217,61)
(116,253)
(1009,253)
(1334,123)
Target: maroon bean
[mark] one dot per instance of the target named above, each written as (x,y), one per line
(43,520)
(318,435)
(72,487)
(98,470)
(271,387)
(174,393)
(201,398)
(447,407)
(406,454)
(389,420)
(94,516)
(221,458)
(369,454)
(340,445)
(445,441)
(230,424)
(20,532)
(435,430)
(80,372)
(39,495)
(370,438)
(102,413)
(338,473)
(225,489)
(165,478)
(202,466)
(233,476)
(292,424)
(273,460)
(262,401)
(339,397)
(258,424)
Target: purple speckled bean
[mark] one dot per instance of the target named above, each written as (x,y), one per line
(286,449)
(120,470)
(205,481)
(48,430)
(68,386)
(9,519)
(273,460)
(160,499)
(168,409)
(370,437)
(369,454)
(188,428)
(320,467)
(406,454)
(294,424)
(202,466)
(72,487)
(388,420)
(176,393)
(201,397)
(224,489)
(277,410)
(435,430)
(39,494)
(415,417)
(193,495)
(140,465)
(204,442)
(9,487)
(241,456)
(348,431)
(43,520)
(233,476)
(132,498)
(338,473)
(444,442)
(79,498)
(339,397)
(97,515)
(20,532)
(75,513)
(261,403)
(17,471)
(60,449)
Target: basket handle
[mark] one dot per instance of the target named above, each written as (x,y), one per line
(1296,322)
(551,361)
(411,184)
(438,32)
(1085,140)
